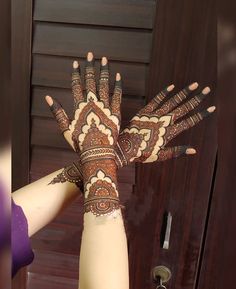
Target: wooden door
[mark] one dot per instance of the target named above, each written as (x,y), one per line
(152,44)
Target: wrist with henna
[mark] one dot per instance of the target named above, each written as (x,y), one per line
(100,187)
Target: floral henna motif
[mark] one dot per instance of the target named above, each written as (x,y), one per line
(94,132)
(101,195)
(152,128)
(70,174)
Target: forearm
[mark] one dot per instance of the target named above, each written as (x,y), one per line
(42,202)
(104,255)
(104,243)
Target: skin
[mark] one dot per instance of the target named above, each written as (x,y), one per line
(100,235)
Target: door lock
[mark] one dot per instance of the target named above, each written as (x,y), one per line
(161,274)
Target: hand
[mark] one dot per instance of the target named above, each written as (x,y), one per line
(145,138)
(93,134)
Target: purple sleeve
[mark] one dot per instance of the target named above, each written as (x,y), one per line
(22,253)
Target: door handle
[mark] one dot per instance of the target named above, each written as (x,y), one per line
(167,231)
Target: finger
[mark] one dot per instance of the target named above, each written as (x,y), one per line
(116,98)
(77,90)
(90,81)
(174,152)
(176,99)
(189,105)
(153,104)
(104,82)
(59,113)
(191,121)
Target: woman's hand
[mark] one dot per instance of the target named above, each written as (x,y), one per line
(93,134)
(145,138)
(95,128)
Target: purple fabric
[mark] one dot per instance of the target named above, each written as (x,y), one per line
(22,253)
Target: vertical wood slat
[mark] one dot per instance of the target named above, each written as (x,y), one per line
(21,63)
(21,71)
(184,50)
(219,255)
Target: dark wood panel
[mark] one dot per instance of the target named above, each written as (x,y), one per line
(63,238)
(55,71)
(219,255)
(129,105)
(38,281)
(72,40)
(55,264)
(45,160)
(21,18)
(138,14)
(21,61)
(184,50)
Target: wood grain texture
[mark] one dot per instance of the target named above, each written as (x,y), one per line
(55,71)
(49,281)
(138,14)
(219,255)
(73,40)
(21,62)
(184,50)
(55,264)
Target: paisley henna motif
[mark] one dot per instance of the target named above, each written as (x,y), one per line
(94,132)
(70,174)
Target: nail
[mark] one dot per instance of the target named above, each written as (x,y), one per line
(193,86)
(104,61)
(206,90)
(118,77)
(49,100)
(190,151)
(211,109)
(170,87)
(75,64)
(90,56)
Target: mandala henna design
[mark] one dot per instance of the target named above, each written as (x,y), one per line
(94,133)
(144,139)
(101,196)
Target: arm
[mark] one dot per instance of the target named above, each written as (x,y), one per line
(93,134)
(103,253)
(42,202)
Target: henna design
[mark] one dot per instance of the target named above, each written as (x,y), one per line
(101,196)
(94,132)
(60,116)
(104,83)
(76,85)
(156,127)
(70,174)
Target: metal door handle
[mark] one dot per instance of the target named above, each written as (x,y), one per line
(166,242)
